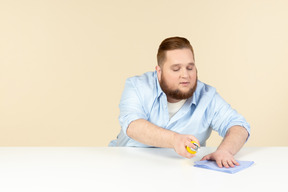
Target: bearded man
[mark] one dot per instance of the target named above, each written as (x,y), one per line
(170,108)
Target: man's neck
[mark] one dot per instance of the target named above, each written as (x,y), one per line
(171,100)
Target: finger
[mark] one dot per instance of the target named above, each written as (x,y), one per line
(188,155)
(207,157)
(197,141)
(192,138)
(219,163)
(225,164)
(235,162)
(191,145)
(196,145)
(230,163)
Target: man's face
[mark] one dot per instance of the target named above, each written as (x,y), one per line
(178,75)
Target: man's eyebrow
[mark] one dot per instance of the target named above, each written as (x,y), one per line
(191,64)
(177,65)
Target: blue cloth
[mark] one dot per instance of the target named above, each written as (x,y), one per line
(205,111)
(213,166)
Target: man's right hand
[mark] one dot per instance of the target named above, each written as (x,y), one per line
(180,142)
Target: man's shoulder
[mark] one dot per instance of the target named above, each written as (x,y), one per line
(204,93)
(147,79)
(145,86)
(205,89)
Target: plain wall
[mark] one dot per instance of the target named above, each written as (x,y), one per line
(63,64)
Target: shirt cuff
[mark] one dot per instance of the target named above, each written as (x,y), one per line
(244,125)
(128,119)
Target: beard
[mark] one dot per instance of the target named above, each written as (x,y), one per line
(176,93)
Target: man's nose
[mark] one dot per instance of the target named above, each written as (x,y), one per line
(184,73)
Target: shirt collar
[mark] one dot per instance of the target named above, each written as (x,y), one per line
(197,92)
(159,90)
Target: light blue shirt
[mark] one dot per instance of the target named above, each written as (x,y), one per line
(205,111)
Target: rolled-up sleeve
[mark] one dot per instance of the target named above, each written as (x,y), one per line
(223,116)
(131,105)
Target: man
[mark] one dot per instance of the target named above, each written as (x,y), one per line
(170,108)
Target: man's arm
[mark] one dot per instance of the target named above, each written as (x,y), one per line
(145,132)
(233,141)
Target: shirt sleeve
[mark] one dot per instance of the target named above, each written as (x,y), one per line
(224,116)
(131,105)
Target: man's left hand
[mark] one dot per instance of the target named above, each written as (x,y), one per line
(222,158)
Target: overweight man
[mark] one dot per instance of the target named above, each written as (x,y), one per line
(170,108)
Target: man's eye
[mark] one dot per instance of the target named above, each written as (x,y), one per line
(176,69)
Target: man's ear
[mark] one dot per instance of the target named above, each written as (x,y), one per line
(159,72)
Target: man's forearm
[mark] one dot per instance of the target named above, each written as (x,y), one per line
(147,133)
(233,141)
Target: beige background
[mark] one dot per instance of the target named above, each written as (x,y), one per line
(63,64)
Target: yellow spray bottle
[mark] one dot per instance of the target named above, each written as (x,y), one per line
(191,150)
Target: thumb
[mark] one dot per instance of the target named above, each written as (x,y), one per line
(207,157)
(193,138)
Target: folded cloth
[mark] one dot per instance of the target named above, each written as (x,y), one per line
(213,166)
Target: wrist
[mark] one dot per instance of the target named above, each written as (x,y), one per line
(224,149)
(173,139)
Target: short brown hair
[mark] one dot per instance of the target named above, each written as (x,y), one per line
(172,43)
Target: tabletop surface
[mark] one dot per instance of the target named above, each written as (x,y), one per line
(134,169)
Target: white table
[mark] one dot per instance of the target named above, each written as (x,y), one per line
(86,169)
